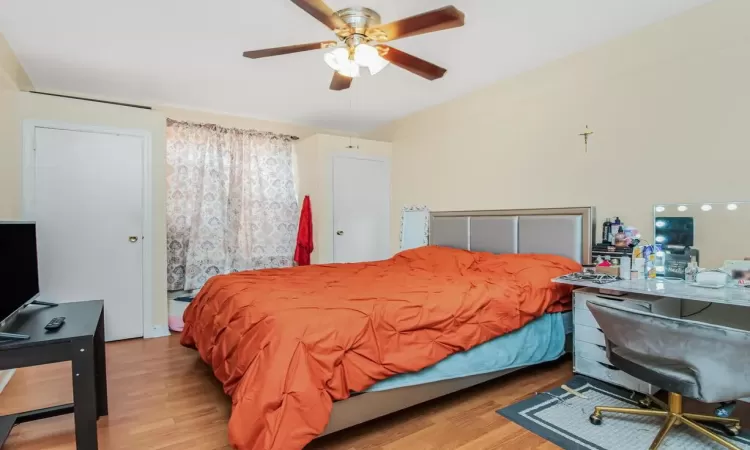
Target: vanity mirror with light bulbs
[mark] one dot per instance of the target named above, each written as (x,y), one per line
(712,234)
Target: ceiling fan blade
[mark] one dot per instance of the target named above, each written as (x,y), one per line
(340,82)
(255,54)
(321,11)
(411,63)
(436,20)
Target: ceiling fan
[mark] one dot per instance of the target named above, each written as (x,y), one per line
(360,37)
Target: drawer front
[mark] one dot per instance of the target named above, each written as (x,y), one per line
(591,335)
(593,352)
(609,374)
(579,299)
(634,301)
(583,316)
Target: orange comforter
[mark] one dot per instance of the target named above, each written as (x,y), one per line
(287,343)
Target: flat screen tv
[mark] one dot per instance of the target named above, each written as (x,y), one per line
(19,274)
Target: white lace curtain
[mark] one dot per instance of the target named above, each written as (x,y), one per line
(231,202)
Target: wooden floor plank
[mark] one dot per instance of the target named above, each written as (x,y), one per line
(162,397)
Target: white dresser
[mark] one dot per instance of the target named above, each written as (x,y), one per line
(589,343)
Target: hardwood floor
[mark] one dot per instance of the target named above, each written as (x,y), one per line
(161,396)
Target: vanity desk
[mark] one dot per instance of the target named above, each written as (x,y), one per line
(728,306)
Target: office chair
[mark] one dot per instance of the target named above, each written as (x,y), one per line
(709,363)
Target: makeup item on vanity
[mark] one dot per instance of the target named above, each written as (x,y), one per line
(650,255)
(606,227)
(620,238)
(639,266)
(613,229)
(691,272)
(625,268)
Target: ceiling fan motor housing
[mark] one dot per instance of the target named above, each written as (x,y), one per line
(359,19)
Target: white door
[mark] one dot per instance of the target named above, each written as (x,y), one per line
(361,197)
(88,204)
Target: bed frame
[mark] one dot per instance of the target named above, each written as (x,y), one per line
(561,231)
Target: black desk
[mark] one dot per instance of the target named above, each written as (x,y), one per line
(81,341)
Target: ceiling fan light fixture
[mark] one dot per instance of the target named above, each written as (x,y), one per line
(368,56)
(338,60)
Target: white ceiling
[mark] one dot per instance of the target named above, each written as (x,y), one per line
(188,52)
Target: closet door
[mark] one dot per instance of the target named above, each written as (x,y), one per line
(361,198)
(87,200)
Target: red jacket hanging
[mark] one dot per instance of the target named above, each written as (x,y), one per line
(304,235)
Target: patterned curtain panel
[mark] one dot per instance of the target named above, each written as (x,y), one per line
(231,202)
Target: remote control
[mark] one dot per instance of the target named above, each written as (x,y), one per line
(55,324)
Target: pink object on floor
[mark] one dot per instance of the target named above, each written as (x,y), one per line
(176,323)
(176,310)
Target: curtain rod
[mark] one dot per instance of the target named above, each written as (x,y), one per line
(219,127)
(129,105)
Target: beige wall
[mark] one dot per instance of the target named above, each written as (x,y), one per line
(669,104)
(12,79)
(315,169)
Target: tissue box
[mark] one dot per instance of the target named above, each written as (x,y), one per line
(711,278)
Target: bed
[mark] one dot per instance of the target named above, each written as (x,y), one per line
(562,231)
(309,351)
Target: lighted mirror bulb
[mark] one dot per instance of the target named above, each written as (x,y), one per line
(706,207)
(660,239)
(659,223)
(659,209)
(682,208)
(732,206)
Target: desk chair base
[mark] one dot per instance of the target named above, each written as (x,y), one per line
(674,416)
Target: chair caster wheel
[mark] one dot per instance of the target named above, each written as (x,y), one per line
(595,419)
(732,430)
(645,403)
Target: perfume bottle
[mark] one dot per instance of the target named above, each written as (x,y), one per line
(691,271)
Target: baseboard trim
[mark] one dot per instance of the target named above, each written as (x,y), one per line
(5,376)
(157,331)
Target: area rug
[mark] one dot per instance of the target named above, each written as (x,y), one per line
(563,418)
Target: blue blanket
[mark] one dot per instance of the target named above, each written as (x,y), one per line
(539,341)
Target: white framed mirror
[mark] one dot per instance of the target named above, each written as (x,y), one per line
(415,227)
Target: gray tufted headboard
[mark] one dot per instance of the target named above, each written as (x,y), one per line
(559,231)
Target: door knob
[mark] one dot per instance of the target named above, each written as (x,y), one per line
(340,233)
(133,238)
